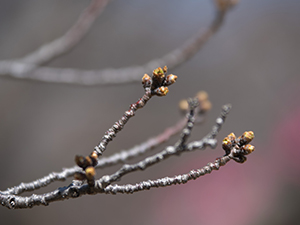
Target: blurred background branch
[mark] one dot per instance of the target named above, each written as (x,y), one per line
(28,66)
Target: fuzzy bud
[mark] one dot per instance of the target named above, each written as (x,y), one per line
(170,79)
(80,161)
(90,172)
(228,142)
(246,138)
(202,96)
(158,72)
(247,149)
(161,91)
(183,106)
(146,80)
(205,105)
(165,69)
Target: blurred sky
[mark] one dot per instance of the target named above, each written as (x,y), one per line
(252,63)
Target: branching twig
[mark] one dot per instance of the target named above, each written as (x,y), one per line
(116,158)
(155,85)
(28,67)
(239,147)
(23,70)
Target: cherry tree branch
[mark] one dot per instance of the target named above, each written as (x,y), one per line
(63,44)
(120,157)
(23,70)
(235,148)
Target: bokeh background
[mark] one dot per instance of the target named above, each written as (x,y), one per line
(252,62)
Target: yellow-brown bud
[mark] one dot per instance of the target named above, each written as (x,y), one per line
(231,136)
(80,161)
(161,91)
(248,149)
(94,155)
(205,106)
(165,69)
(158,72)
(170,79)
(183,105)
(202,96)
(90,172)
(246,138)
(226,144)
(146,80)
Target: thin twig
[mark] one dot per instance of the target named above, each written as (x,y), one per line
(61,45)
(169,151)
(112,76)
(77,188)
(120,157)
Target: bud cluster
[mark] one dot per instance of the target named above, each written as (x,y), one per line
(159,81)
(239,147)
(204,103)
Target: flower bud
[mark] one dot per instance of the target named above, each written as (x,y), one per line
(247,149)
(80,161)
(246,138)
(158,72)
(165,69)
(170,79)
(183,106)
(146,80)
(202,96)
(90,172)
(161,91)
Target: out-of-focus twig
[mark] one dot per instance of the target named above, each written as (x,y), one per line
(61,45)
(173,59)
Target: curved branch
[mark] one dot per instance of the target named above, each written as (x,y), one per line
(61,45)
(113,76)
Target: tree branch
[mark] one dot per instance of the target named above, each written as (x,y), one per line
(63,44)
(173,59)
(78,188)
(120,157)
